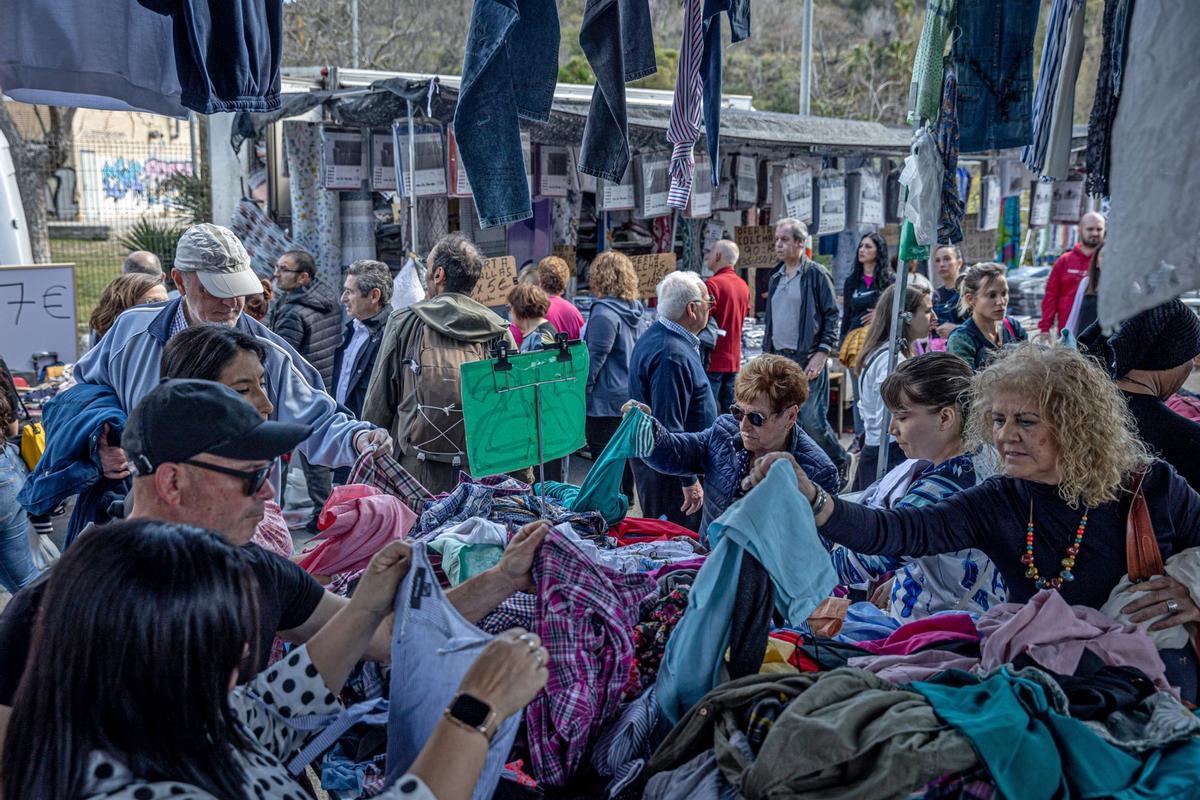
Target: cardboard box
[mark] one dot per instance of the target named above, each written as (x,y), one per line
(499,277)
(651,269)
(757,243)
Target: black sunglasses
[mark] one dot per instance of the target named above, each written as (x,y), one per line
(756,418)
(256,478)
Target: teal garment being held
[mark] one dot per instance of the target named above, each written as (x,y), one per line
(774,523)
(1034,751)
(601,489)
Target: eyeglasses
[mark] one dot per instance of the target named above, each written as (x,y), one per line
(281,269)
(756,418)
(256,478)
(708,301)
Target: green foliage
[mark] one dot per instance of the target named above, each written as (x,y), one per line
(156,235)
(188,195)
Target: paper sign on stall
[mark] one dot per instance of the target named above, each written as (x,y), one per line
(1068,201)
(653,186)
(798,194)
(747,180)
(430,161)
(37,313)
(650,270)
(991,201)
(343,159)
(757,246)
(1039,207)
(499,277)
(831,217)
(617,196)
(383,162)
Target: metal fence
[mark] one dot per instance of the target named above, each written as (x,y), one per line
(110,200)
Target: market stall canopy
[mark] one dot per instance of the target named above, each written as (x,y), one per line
(383,101)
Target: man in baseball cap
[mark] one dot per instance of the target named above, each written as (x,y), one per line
(202,456)
(212,263)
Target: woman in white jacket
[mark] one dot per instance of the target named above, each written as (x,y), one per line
(873,369)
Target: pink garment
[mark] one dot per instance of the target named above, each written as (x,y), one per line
(924,634)
(564,316)
(1185,406)
(272,532)
(915,667)
(689,563)
(1055,634)
(357,522)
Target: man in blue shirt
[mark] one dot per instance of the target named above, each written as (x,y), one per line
(666,373)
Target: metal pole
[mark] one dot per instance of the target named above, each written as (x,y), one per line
(899,317)
(537,422)
(412,180)
(806,59)
(194,144)
(354,33)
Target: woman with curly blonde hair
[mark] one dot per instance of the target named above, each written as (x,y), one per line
(1055,518)
(612,328)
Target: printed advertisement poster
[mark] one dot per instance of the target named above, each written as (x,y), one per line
(798,194)
(383,162)
(430,161)
(343,159)
(831,217)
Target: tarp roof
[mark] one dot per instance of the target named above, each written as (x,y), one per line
(384,101)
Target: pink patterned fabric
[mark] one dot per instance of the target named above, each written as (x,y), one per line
(272,532)
(357,522)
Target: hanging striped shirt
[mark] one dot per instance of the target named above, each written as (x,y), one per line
(687,107)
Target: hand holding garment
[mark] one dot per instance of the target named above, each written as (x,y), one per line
(433,647)
(774,523)
(1184,566)
(357,522)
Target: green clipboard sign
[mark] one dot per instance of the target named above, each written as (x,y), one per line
(506,401)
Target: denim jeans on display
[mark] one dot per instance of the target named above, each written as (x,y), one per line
(509,72)
(16,564)
(814,418)
(993,56)
(618,42)
(712,67)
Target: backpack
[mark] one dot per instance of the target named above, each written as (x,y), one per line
(432,391)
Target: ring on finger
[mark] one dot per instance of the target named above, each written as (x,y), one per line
(528,639)
(539,658)
(1172,606)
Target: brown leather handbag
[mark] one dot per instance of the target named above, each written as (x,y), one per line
(1142,555)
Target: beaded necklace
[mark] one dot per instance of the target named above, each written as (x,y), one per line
(1068,563)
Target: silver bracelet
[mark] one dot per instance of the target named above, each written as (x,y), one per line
(819,501)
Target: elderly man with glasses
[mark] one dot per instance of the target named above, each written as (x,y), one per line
(667,374)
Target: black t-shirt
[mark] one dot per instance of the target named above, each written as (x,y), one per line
(1173,438)
(288,597)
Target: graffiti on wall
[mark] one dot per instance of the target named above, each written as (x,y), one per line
(138,180)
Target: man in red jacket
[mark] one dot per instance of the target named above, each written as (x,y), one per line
(731,303)
(1068,271)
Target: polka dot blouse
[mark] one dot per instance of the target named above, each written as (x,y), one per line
(289,688)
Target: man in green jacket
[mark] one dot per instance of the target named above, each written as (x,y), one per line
(415,390)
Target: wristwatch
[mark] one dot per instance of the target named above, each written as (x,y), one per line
(468,711)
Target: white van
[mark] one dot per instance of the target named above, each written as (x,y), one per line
(14,234)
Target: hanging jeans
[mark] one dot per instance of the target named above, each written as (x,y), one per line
(618,42)
(509,72)
(16,564)
(994,61)
(432,648)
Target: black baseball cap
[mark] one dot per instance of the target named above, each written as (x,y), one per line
(182,418)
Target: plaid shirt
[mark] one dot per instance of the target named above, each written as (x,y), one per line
(385,474)
(585,617)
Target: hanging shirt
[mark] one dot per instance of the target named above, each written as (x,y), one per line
(686,108)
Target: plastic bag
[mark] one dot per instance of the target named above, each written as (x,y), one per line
(922,176)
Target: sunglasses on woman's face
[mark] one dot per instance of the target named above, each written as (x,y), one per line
(756,419)
(255,479)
